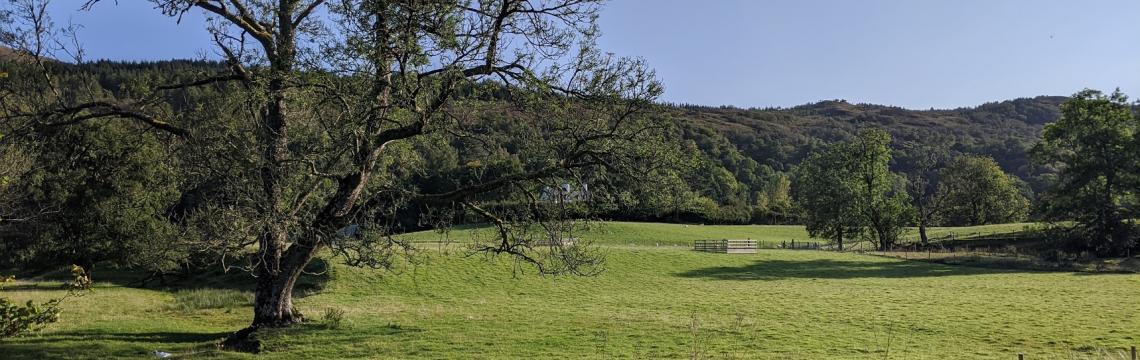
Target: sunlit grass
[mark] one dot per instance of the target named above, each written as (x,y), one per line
(651,302)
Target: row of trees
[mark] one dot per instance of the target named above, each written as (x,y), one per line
(847,192)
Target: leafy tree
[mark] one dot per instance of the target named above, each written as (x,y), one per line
(847,190)
(1093,146)
(776,195)
(975,191)
(881,198)
(824,190)
(105,195)
(923,180)
(321,106)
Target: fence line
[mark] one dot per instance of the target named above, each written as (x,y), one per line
(726,246)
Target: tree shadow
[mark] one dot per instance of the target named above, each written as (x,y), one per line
(160,337)
(834,269)
(35,286)
(314,278)
(96,344)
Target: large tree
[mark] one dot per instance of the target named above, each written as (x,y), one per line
(883,200)
(327,106)
(1093,147)
(848,190)
(923,178)
(823,189)
(975,191)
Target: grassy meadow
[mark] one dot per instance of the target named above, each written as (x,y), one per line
(651,302)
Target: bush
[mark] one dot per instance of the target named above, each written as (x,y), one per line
(333,318)
(199,299)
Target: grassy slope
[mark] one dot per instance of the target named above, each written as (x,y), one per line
(791,304)
(972,231)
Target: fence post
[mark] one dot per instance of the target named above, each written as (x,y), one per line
(1133,352)
(1020,356)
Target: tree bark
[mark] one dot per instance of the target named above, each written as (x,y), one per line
(273,299)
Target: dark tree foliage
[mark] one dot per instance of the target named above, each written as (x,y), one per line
(1094,149)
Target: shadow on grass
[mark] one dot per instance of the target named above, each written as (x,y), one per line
(314,278)
(834,269)
(184,338)
(34,287)
(104,345)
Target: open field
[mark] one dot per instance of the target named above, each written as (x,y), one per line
(661,234)
(651,302)
(651,234)
(967,232)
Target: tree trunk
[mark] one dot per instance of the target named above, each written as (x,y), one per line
(922,232)
(277,274)
(273,300)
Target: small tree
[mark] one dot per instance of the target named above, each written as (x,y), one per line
(1093,146)
(18,320)
(975,191)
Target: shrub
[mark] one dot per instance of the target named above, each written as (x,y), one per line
(333,318)
(21,319)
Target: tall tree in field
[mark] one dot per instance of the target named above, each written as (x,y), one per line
(847,190)
(882,199)
(823,189)
(975,191)
(327,101)
(923,181)
(1093,146)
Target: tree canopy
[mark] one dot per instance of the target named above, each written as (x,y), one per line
(847,190)
(1093,147)
(975,191)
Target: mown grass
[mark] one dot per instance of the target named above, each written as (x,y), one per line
(651,302)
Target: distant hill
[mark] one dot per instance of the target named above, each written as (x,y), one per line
(10,55)
(780,138)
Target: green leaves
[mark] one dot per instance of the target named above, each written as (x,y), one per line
(847,191)
(17,319)
(975,191)
(1095,149)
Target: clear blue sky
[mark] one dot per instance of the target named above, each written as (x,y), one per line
(910,53)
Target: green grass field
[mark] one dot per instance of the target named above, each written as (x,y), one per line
(972,231)
(651,302)
(648,234)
